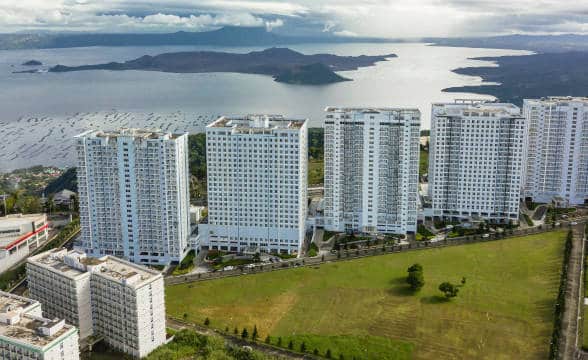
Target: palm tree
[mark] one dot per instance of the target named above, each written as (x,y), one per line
(14,199)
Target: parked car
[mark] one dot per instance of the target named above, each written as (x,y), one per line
(573,223)
(557,223)
(486,236)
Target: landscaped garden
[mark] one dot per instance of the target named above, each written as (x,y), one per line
(365,309)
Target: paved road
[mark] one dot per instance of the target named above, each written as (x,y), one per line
(278,353)
(570,319)
(351,254)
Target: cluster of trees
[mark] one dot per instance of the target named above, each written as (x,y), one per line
(301,347)
(316,143)
(188,344)
(416,280)
(560,304)
(18,201)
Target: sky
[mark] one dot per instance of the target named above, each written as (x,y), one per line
(370,18)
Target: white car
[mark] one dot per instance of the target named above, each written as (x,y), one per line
(486,236)
(557,224)
(573,223)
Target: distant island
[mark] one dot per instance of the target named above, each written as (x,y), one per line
(32,63)
(285,65)
(530,76)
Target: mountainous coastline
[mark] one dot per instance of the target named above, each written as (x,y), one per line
(537,43)
(283,64)
(226,36)
(530,76)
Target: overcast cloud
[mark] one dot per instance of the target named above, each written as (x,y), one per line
(380,18)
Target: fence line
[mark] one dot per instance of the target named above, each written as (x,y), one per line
(342,255)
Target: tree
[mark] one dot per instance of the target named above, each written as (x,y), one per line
(227,329)
(268,339)
(328,354)
(448,289)
(415,267)
(206,322)
(303,347)
(341,357)
(280,341)
(463,280)
(244,333)
(50,203)
(416,280)
(236,331)
(315,352)
(415,277)
(255,334)
(290,345)
(185,316)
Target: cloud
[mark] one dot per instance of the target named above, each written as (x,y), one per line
(381,18)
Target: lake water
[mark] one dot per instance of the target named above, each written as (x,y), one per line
(39,113)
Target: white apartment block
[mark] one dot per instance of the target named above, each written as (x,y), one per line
(476,161)
(19,236)
(257,178)
(371,169)
(557,150)
(134,194)
(110,297)
(26,335)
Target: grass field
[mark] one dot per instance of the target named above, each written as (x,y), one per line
(316,172)
(423,162)
(363,308)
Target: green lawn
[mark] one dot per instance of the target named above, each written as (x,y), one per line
(423,162)
(363,307)
(315,172)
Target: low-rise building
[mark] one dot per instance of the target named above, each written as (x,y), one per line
(63,197)
(25,334)
(109,297)
(63,290)
(19,236)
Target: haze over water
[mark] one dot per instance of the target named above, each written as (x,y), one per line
(41,112)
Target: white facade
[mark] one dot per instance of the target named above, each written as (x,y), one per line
(134,195)
(26,335)
(19,236)
(476,160)
(371,169)
(257,177)
(108,297)
(557,150)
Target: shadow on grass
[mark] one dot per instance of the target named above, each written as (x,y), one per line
(435,299)
(401,288)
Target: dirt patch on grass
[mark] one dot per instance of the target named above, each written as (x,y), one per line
(264,313)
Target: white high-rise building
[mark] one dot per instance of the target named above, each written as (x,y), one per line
(476,160)
(557,150)
(371,169)
(26,335)
(134,194)
(257,178)
(107,296)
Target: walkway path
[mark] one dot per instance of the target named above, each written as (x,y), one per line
(570,319)
(235,341)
